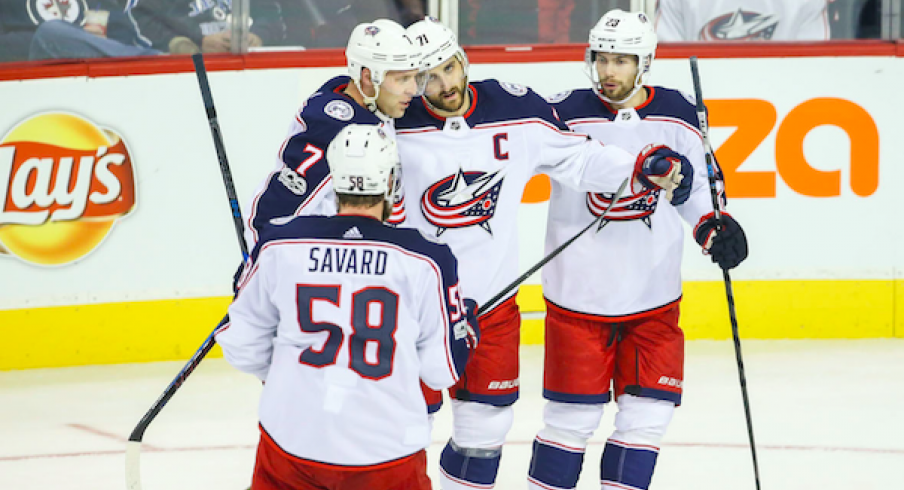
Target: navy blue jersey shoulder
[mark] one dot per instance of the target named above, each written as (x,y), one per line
(584,103)
(502,101)
(671,103)
(369,229)
(493,101)
(581,104)
(328,110)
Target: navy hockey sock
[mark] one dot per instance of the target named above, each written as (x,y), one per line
(555,465)
(627,465)
(470,466)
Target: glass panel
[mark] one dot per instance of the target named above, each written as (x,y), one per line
(62,29)
(767,20)
(327,23)
(530,21)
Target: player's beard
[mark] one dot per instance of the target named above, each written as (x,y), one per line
(618,94)
(439,102)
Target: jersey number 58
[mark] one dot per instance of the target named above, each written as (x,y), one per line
(364,331)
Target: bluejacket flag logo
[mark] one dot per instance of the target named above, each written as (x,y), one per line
(461,200)
(639,206)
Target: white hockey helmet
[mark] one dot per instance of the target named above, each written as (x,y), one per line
(622,33)
(363,161)
(437,42)
(380,46)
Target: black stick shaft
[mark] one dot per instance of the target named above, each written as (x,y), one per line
(201,71)
(523,277)
(711,171)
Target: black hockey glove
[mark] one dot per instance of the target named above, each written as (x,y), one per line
(473,327)
(727,247)
(658,167)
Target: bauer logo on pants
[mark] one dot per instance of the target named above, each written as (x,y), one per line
(64,182)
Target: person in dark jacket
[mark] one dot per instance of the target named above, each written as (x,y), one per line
(35,29)
(188,27)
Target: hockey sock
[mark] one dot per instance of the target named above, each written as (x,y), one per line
(555,465)
(627,466)
(469,467)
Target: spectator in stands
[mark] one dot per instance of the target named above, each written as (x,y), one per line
(742,20)
(43,30)
(554,20)
(184,27)
(326,23)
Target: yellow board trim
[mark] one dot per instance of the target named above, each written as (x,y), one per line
(173,329)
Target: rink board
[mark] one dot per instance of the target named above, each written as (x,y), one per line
(812,175)
(173,329)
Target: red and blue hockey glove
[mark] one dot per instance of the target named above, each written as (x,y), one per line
(658,167)
(727,247)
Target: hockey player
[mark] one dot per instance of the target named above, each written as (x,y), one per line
(382,80)
(467,151)
(340,317)
(612,298)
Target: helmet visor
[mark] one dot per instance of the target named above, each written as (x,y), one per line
(408,83)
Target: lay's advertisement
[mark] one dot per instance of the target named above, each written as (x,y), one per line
(117,244)
(69,182)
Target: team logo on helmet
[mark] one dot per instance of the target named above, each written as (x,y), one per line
(371,30)
(639,206)
(740,26)
(462,200)
(513,88)
(340,110)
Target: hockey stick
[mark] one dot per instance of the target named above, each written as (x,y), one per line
(133,447)
(486,306)
(717,213)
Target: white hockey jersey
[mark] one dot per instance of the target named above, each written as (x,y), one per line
(742,20)
(632,264)
(342,317)
(464,177)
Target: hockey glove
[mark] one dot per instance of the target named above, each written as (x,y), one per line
(727,247)
(658,167)
(473,327)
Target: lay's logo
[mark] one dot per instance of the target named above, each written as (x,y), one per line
(64,182)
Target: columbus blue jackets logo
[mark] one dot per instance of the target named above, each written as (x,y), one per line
(639,206)
(462,200)
(740,25)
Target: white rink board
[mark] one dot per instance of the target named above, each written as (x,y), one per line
(179,242)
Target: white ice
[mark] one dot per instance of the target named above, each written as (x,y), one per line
(828,415)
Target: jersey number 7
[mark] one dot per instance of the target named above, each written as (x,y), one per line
(364,301)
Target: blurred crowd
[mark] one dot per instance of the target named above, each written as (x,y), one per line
(60,29)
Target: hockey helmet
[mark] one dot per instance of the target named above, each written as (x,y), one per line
(380,46)
(438,44)
(363,161)
(622,32)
